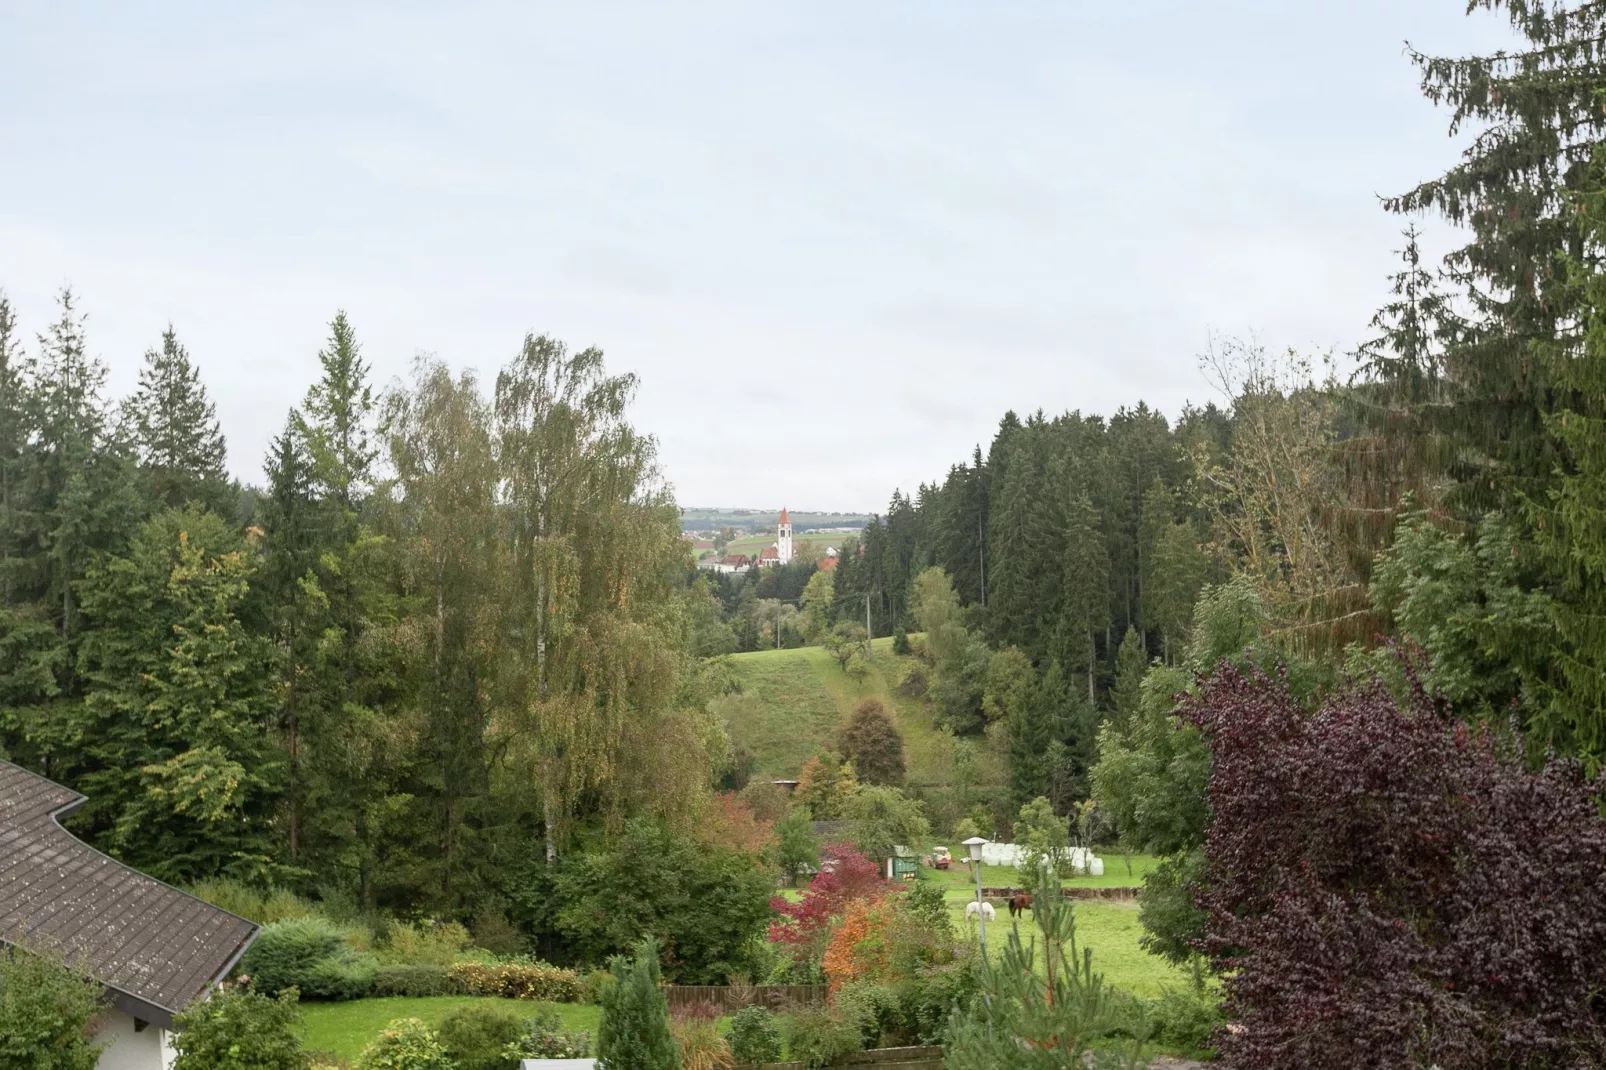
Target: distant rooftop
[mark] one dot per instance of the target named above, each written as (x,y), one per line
(154,947)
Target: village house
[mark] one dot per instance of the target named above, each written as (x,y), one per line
(154,948)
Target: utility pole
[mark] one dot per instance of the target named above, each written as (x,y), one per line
(867,632)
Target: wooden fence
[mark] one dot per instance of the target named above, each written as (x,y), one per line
(875,1059)
(729,999)
(1003,895)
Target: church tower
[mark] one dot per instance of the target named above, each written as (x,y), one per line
(783,539)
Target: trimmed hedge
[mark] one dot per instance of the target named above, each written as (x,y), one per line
(537,981)
(413,981)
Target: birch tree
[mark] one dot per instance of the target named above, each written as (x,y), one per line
(590,658)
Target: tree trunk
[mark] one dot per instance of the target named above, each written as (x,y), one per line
(548,821)
(1092,660)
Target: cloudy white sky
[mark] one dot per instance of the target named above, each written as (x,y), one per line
(835,240)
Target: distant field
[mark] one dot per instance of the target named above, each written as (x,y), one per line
(710,519)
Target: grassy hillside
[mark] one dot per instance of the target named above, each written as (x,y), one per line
(793,700)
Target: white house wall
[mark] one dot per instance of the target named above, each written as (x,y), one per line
(126,1049)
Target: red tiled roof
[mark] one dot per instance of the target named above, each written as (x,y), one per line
(827,564)
(768,554)
(784,518)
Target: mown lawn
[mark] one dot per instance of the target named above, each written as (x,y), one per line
(1110,929)
(346,1028)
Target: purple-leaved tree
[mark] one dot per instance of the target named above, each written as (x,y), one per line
(1386,887)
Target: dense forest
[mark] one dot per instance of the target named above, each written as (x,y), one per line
(448,630)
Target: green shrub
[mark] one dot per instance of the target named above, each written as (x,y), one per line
(900,641)
(344,975)
(405,1044)
(238,1030)
(477,1038)
(428,943)
(255,904)
(45,1013)
(542,1036)
(493,932)
(928,997)
(311,954)
(703,901)
(1184,1018)
(927,902)
(592,984)
(872,1007)
(755,1038)
(815,1036)
(515,980)
(394,980)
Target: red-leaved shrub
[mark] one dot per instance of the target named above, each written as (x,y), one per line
(1386,888)
(805,925)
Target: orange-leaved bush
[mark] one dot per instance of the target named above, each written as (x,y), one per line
(860,947)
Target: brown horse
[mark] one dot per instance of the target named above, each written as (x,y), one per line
(1019,903)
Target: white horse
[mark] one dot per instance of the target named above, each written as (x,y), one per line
(984,909)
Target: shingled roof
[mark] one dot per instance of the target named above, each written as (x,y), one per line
(154,947)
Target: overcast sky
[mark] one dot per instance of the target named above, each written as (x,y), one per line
(836,241)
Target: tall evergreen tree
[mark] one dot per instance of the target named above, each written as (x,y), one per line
(293,603)
(1085,611)
(1537,112)
(175,425)
(175,752)
(337,418)
(443,512)
(13,440)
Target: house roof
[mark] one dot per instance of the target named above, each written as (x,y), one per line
(769,554)
(154,947)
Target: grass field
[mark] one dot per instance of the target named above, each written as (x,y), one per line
(346,1028)
(798,697)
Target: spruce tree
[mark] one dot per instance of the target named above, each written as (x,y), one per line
(1536,109)
(1085,611)
(1126,697)
(175,425)
(287,585)
(13,440)
(71,425)
(337,418)
(633,1033)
